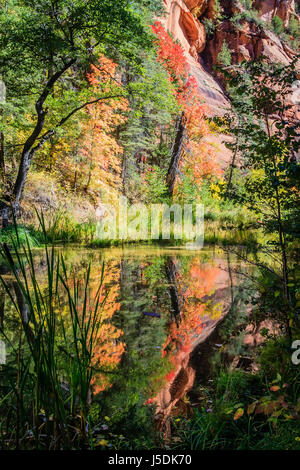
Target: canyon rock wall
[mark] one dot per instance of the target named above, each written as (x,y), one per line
(267,9)
(182,23)
(249,40)
(181,20)
(185,20)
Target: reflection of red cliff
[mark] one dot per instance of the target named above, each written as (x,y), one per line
(195,327)
(180,381)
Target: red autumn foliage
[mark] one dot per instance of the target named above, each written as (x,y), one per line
(200,155)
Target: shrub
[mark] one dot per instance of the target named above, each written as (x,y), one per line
(9,235)
(224,56)
(293,27)
(277,25)
(209,26)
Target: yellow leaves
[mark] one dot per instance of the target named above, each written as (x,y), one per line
(89,157)
(238,414)
(239,411)
(215,191)
(103,443)
(217,187)
(176,439)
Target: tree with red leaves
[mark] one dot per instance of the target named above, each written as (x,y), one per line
(191,125)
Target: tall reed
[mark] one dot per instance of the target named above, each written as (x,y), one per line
(54,355)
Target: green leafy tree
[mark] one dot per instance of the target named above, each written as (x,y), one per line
(47,46)
(147,135)
(267,143)
(293,27)
(224,56)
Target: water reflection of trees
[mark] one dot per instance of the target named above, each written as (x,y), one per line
(196,314)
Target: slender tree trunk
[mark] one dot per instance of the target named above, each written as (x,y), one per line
(2,308)
(283,249)
(2,160)
(32,145)
(285,274)
(281,235)
(21,178)
(88,181)
(4,207)
(5,211)
(176,153)
(123,175)
(232,166)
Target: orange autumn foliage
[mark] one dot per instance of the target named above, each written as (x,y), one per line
(99,147)
(109,347)
(201,282)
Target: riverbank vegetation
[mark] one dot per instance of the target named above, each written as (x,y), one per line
(251,399)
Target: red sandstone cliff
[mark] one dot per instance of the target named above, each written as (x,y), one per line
(185,19)
(185,27)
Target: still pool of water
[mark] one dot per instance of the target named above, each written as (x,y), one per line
(161,304)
